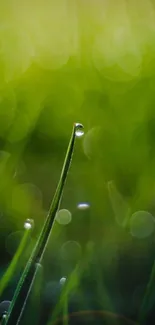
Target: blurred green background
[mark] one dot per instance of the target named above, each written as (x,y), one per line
(91,62)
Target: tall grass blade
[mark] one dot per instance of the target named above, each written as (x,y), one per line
(25,283)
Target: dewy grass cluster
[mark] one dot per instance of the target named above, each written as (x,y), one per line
(26,281)
(18,303)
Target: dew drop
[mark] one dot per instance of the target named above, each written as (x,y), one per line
(63,280)
(83,206)
(4,317)
(4,307)
(29,223)
(38,266)
(63,217)
(79,130)
(142,224)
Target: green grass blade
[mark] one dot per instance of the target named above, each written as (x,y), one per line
(25,283)
(72,283)
(14,263)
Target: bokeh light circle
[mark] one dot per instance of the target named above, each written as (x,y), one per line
(63,217)
(142,224)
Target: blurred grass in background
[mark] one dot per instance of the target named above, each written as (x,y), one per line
(91,62)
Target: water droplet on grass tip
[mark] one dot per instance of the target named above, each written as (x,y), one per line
(4,307)
(79,130)
(4,317)
(29,223)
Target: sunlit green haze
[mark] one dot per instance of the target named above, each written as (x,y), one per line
(90,62)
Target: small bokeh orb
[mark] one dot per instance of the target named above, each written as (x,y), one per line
(142,224)
(63,217)
(83,206)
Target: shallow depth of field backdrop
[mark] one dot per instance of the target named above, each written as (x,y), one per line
(93,62)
